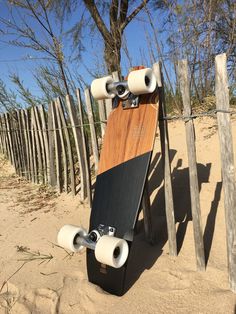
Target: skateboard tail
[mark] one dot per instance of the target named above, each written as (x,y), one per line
(118,195)
(123,206)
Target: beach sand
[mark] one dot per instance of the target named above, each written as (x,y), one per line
(37,276)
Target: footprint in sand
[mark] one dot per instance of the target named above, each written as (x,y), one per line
(35,301)
(167,281)
(79,296)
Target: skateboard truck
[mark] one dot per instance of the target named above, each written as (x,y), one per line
(96,234)
(139,82)
(122,92)
(108,249)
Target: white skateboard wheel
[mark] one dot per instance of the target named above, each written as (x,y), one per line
(111,251)
(142,81)
(67,235)
(99,88)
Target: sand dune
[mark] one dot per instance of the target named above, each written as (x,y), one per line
(36,276)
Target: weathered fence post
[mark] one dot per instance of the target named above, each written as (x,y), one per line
(102,116)
(194,189)
(227,161)
(92,128)
(1,137)
(30,141)
(68,144)
(41,144)
(18,147)
(2,130)
(45,141)
(6,138)
(65,163)
(27,153)
(85,149)
(147,217)
(23,144)
(9,136)
(57,147)
(14,132)
(169,203)
(51,148)
(36,159)
(78,144)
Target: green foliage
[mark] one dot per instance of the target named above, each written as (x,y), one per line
(24,93)
(8,99)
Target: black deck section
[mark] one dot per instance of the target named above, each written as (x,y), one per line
(117,198)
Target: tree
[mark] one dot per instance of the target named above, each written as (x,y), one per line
(198,30)
(8,101)
(119,16)
(24,93)
(22,31)
(112,36)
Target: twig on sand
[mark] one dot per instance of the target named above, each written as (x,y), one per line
(33,255)
(49,274)
(68,254)
(5,281)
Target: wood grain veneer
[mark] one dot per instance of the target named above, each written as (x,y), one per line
(129,133)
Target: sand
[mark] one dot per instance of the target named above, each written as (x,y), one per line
(36,276)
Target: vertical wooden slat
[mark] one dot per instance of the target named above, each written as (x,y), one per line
(147,217)
(102,116)
(39,154)
(18,148)
(45,141)
(9,135)
(22,143)
(51,141)
(7,140)
(194,190)
(169,203)
(92,128)
(34,148)
(2,135)
(78,144)
(108,107)
(41,145)
(27,153)
(85,149)
(7,145)
(30,145)
(69,149)
(57,148)
(65,163)
(17,145)
(227,162)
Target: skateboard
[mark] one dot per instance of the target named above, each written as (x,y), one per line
(123,168)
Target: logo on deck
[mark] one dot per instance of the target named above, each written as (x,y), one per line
(138,131)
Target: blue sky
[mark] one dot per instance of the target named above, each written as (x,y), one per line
(16,59)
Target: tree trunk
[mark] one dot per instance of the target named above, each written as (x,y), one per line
(112,55)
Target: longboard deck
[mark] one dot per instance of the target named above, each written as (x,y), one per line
(123,168)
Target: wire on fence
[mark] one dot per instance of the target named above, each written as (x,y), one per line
(55,129)
(210,113)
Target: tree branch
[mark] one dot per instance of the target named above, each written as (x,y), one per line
(37,18)
(123,11)
(114,10)
(133,14)
(98,20)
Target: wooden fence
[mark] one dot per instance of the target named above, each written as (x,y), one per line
(60,147)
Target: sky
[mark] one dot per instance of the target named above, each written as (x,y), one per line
(17,60)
